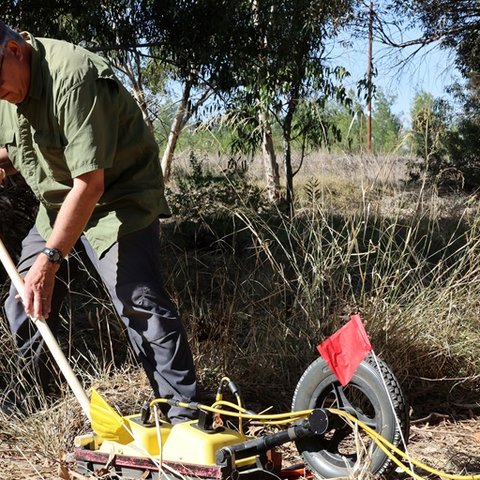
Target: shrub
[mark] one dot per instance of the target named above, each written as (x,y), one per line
(201,192)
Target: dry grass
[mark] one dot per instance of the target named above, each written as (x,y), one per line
(38,445)
(363,168)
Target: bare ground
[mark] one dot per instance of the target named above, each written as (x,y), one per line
(447,445)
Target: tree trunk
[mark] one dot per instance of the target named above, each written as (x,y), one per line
(130,65)
(287,153)
(272,176)
(287,147)
(270,164)
(139,96)
(177,125)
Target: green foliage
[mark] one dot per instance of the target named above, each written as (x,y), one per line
(205,141)
(430,136)
(202,138)
(446,146)
(350,124)
(386,126)
(454,23)
(313,126)
(203,39)
(201,192)
(464,154)
(156,76)
(110,25)
(243,124)
(463,145)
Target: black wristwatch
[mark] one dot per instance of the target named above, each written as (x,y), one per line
(53,254)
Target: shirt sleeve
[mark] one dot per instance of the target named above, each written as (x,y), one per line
(8,131)
(89,118)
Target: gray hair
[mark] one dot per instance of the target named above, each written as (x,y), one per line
(7,34)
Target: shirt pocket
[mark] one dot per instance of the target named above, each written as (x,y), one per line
(7,137)
(51,153)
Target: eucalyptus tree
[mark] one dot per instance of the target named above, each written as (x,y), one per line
(387,127)
(290,65)
(204,42)
(430,133)
(453,25)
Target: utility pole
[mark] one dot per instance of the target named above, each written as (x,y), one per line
(369,78)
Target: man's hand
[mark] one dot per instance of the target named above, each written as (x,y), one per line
(69,224)
(6,167)
(39,283)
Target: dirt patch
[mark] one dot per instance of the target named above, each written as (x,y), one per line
(447,445)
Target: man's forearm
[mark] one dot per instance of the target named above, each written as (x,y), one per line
(74,214)
(76,210)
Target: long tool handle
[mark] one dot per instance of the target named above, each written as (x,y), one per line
(47,335)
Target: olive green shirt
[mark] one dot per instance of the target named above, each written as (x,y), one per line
(78,118)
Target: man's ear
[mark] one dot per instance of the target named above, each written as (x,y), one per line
(15,49)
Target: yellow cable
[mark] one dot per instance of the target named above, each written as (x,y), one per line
(379,443)
(240,422)
(385,443)
(219,398)
(284,418)
(226,403)
(397,461)
(247,416)
(269,418)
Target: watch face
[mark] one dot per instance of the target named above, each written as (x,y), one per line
(53,255)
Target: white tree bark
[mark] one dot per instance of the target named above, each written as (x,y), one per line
(177,125)
(272,176)
(139,96)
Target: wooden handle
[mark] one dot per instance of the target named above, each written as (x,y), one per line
(47,335)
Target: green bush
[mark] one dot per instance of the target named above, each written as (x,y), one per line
(201,192)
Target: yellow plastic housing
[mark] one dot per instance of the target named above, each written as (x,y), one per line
(145,439)
(189,444)
(147,435)
(182,443)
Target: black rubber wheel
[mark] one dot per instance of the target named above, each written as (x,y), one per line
(365,397)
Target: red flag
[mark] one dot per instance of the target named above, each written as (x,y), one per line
(346,349)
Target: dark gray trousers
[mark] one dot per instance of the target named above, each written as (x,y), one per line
(130,270)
